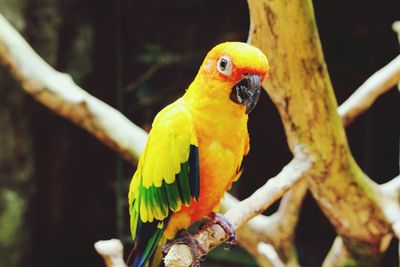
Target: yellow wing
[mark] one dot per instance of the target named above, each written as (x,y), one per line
(166,178)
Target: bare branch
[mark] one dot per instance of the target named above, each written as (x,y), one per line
(396,29)
(269,252)
(393,186)
(111,251)
(379,83)
(59,93)
(389,197)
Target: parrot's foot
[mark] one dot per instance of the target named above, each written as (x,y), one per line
(218,218)
(183,237)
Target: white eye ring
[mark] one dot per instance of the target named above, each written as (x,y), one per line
(224,65)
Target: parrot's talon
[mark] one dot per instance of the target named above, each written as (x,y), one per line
(218,218)
(183,237)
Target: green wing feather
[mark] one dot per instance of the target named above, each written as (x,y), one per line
(167,177)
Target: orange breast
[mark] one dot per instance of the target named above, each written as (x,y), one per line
(221,148)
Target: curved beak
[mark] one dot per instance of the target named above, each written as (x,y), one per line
(247,91)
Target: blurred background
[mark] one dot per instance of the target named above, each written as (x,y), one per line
(61,190)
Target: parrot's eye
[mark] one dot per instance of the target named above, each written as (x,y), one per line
(224,65)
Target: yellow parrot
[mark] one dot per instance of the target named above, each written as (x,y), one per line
(194,152)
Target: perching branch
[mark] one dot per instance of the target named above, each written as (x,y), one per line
(245,210)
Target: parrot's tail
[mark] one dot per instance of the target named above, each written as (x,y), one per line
(156,260)
(144,251)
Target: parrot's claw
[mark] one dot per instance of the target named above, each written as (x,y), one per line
(218,218)
(183,237)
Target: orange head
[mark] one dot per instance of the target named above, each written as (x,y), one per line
(233,71)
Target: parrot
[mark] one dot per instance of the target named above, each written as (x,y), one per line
(194,153)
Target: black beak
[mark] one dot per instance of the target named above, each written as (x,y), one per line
(247,91)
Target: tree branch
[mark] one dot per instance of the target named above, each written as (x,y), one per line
(390,195)
(269,252)
(396,29)
(59,93)
(379,83)
(111,251)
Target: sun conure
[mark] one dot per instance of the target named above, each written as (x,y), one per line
(195,148)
